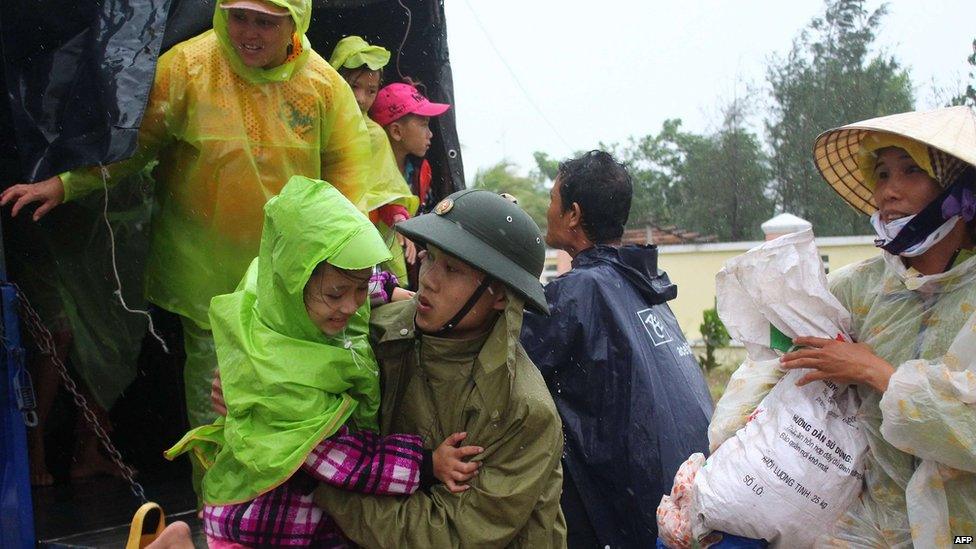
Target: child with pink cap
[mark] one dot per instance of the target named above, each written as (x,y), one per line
(405,114)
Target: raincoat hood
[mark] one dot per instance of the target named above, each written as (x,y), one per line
(308,223)
(287,385)
(636,263)
(353,52)
(301,14)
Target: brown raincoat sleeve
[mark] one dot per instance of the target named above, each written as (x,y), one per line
(516,477)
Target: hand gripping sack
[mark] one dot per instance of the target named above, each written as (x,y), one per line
(797,464)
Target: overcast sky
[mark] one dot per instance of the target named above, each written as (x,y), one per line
(608,70)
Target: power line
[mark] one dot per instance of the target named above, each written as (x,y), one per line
(406,33)
(515,77)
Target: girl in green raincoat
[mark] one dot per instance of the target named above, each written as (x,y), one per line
(232,114)
(387,198)
(301,383)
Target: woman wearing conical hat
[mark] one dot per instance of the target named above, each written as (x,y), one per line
(913,307)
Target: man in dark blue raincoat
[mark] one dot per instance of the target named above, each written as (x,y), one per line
(633,400)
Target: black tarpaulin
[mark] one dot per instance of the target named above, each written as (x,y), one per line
(78,73)
(77,78)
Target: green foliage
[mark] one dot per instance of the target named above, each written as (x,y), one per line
(547,168)
(721,185)
(713,184)
(828,79)
(715,335)
(531,192)
(968,97)
(653,162)
(729,181)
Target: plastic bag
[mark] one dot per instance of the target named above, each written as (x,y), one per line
(797,464)
(674,512)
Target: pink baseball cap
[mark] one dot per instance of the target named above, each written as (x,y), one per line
(398,100)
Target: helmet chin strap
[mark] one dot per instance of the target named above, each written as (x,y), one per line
(465,309)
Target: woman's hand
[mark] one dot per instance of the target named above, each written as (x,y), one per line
(49,193)
(448,465)
(409,248)
(840,361)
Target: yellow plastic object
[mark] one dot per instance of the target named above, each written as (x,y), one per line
(226,142)
(138,538)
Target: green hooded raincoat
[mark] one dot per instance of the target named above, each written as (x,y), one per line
(286,384)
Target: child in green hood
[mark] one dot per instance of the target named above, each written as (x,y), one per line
(388,198)
(301,383)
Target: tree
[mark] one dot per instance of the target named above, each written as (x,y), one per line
(721,184)
(653,162)
(546,168)
(828,79)
(650,160)
(713,184)
(968,96)
(531,192)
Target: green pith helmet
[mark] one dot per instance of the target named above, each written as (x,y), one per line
(490,233)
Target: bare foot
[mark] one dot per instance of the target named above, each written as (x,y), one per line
(39,475)
(89,461)
(174,536)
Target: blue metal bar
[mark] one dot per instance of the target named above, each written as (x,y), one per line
(16,512)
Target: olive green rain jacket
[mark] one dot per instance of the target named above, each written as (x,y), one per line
(488,388)
(227,138)
(288,385)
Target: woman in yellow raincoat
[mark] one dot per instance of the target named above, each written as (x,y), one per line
(914,363)
(232,115)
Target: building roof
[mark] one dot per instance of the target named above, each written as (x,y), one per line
(665,236)
(785,223)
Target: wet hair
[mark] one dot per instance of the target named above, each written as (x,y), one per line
(421,87)
(316,280)
(602,188)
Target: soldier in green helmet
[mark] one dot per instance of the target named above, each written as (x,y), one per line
(451,361)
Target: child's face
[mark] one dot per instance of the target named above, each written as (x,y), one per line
(412,134)
(365,84)
(445,284)
(333,295)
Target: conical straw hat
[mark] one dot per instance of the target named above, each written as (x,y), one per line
(951,130)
